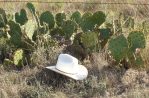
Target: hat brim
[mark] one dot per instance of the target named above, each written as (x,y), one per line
(80,75)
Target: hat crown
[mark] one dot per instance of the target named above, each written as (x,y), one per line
(67,63)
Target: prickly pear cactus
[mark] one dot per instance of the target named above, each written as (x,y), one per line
(15,33)
(118,47)
(105,34)
(57,31)
(87,24)
(139,61)
(136,39)
(30,28)
(60,17)
(31,7)
(18,57)
(90,41)
(76,16)
(21,17)
(3,19)
(89,21)
(99,18)
(68,28)
(47,17)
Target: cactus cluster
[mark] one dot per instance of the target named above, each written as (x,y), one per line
(47,17)
(90,21)
(68,28)
(24,34)
(89,42)
(122,48)
(65,27)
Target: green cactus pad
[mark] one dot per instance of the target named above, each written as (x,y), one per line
(76,16)
(87,24)
(139,61)
(99,17)
(31,7)
(47,17)
(105,33)
(15,33)
(3,19)
(136,39)
(60,17)
(30,28)
(90,41)
(21,17)
(68,28)
(118,47)
(18,57)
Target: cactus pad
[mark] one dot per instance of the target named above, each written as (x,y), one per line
(76,16)
(31,7)
(68,28)
(47,17)
(136,39)
(118,47)
(60,17)
(30,28)
(15,33)
(21,17)
(105,33)
(87,23)
(90,41)
(99,17)
(139,61)
(18,57)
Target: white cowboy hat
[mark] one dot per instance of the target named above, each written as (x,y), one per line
(68,65)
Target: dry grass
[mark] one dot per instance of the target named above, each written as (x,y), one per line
(102,82)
